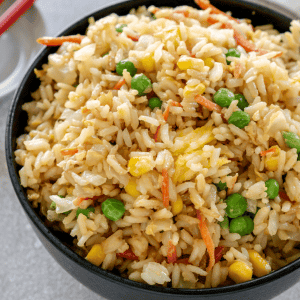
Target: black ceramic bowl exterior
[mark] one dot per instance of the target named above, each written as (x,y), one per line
(106,283)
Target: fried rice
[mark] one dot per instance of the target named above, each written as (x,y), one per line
(91,137)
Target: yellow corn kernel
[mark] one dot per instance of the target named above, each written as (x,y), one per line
(184,64)
(192,91)
(130,188)
(209,62)
(271,161)
(260,266)
(96,255)
(148,63)
(140,165)
(177,206)
(240,272)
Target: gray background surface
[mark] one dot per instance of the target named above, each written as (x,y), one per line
(27,271)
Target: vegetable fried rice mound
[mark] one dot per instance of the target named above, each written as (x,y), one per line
(166,143)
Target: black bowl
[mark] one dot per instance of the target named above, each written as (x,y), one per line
(107,283)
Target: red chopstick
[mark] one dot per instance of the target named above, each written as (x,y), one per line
(14,12)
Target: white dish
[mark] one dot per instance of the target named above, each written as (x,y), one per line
(18,47)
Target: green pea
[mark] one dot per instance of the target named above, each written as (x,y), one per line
(292,140)
(113,209)
(105,54)
(243,103)
(141,83)
(232,52)
(221,186)
(236,205)
(84,211)
(223,97)
(154,102)
(242,225)
(224,224)
(272,188)
(126,65)
(119,27)
(240,119)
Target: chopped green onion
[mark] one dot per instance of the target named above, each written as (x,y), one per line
(84,211)
(119,27)
(53,205)
(221,186)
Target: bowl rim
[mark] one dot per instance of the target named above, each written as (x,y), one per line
(65,250)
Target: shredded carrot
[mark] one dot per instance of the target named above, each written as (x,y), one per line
(156,133)
(174,103)
(58,41)
(184,12)
(207,240)
(218,253)
(70,151)
(119,84)
(239,38)
(242,41)
(182,261)
(85,110)
(208,104)
(211,20)
(283,195)
(155,10)
(166,113)
(271,150)
(135,38)
(238,68)
(205,4)
(78,201)
(128,254)
(172,254)
(165,187)
(192,55)
(278,55)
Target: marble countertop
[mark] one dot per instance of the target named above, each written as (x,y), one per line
(27,271)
